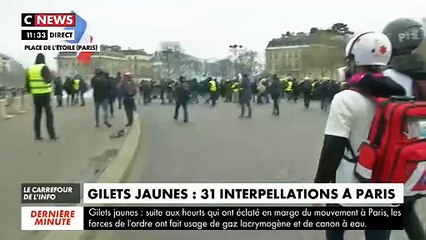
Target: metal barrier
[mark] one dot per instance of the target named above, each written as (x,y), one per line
(13,101)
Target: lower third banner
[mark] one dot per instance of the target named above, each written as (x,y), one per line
(242,218)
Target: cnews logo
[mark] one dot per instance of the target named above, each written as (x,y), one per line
(48,19)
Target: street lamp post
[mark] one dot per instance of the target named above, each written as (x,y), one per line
(235,48)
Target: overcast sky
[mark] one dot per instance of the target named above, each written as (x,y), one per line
(205,28)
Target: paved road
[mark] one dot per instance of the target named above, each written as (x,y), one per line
(80,149)
(218,146)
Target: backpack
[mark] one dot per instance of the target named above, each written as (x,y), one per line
(395,150)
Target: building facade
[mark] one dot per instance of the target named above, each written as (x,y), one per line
(110,58)
(304,55)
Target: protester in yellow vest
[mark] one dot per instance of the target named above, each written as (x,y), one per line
(39,84)
(289,90)
(212,90)
(75,86)
(235,89)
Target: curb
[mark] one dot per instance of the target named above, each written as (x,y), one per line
(117,171)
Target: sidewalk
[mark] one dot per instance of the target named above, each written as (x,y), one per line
(73,158)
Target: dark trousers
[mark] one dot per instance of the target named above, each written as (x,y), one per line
(104,105)
(69,99)
(369,234)
(276,108)
(120,102)
(111,102)
(74,98)
(306,99)
(184,105)
(129,107)
(82,99)
(213,98)
(40,102)
(413,226)
(59,100)
(243,109)
(295,96)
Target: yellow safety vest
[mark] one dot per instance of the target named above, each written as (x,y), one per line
(213,87)
(235,87)
(289,86)
(37,84)
(76,84)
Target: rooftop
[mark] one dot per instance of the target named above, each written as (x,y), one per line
(323,37)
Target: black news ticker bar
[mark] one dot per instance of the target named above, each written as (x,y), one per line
(242,218)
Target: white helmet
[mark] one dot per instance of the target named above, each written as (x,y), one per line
(369,49)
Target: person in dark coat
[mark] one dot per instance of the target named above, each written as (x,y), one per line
(275,90)
(83,89)
(58,91)
(113,94)
(182,98)
(68,89)
(101,89)
(129,91)
(245,96)
(118,79)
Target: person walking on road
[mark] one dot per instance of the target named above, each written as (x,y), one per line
(113,94)
(275,90)
(58,91)
(82,90)
(39,84)
(101,91)
(182,98)
(129,91)
(245,96)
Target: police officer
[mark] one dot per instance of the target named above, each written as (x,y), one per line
(407,69)
(39,84)
(406,35)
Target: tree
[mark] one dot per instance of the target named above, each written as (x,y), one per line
(313,30)
(226,67)
(288,34)
(247,61)
(341,28)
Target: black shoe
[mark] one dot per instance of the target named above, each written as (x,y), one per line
(39,138)
(248,116)
(54,138)
(241,116)
(175,118)
(129,125)
(108,124)
(185,121)
(97,125)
